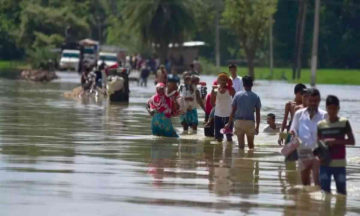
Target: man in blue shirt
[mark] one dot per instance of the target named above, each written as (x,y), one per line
(244,104)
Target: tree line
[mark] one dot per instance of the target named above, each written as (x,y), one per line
(145,26)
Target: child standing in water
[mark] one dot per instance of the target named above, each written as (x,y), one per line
(190,95)
(332,132)
(221,100)
(174,95)
(160,107)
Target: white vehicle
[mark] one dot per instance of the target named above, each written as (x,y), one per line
(70,60)
(108,58)
(90,54)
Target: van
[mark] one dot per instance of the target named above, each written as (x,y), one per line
(70,60)
(108,58)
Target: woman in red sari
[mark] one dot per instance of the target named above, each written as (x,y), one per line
(160,108)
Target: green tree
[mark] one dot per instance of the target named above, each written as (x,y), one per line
(160,21)
(249,20)
(205,15)
(45,26)
(9,22)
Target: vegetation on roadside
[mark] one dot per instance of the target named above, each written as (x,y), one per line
(250,21)
(13,65)
(324,76)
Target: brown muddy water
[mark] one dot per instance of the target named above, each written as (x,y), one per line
(87,157)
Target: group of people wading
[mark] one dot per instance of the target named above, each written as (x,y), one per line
(316,138)
(230,104)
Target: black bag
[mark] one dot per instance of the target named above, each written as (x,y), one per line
(323,152)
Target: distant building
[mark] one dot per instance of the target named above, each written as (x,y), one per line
(181,56)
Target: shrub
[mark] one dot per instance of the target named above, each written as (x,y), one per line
(39,57)
(207,66)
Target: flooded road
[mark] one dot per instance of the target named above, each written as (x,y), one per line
(84,158)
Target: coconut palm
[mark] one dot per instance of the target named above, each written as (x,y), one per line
(161,22)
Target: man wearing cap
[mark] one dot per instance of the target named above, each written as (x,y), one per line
(237,80)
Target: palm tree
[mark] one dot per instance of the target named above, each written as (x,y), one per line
(161,22)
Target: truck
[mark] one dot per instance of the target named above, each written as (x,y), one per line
(108,58)
(69,59)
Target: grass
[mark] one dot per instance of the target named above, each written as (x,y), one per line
(13,65)
(324,76)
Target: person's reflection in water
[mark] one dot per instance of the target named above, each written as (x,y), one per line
(187,156)
(222,171)
(219,159)
(339,208)
(245,177)
(161,158)
(307,203)
(289,177)
(115,121)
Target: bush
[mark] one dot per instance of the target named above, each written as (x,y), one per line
(207,66)
(39,57)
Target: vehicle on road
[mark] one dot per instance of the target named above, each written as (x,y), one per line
(90,54)
(69,60)
(108,58)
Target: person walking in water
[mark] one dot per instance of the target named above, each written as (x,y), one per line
(221,100)
(237,80)
(336,133)
(304,126)
(160,108)
(190,95)
(290,108)
(174,77)
(161,75)
(243,106)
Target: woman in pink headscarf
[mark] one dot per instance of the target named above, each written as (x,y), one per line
(160,108)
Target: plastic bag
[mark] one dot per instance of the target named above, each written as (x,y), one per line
(290,147)
(293,155)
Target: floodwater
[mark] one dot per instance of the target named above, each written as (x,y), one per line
(75,157)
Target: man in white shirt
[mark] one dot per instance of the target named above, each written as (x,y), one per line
(237,80)
(304,126)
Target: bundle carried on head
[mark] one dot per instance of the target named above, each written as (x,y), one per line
(116,84)
(229,81)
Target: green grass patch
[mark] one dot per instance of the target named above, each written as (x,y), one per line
(13,65)
(324,76)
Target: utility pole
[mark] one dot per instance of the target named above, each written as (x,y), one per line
(301,39)
(217,46)
(271,49)
(315,43)
(297,37)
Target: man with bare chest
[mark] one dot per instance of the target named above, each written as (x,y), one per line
(291,107)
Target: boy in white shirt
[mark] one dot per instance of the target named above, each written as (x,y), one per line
(237,80)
